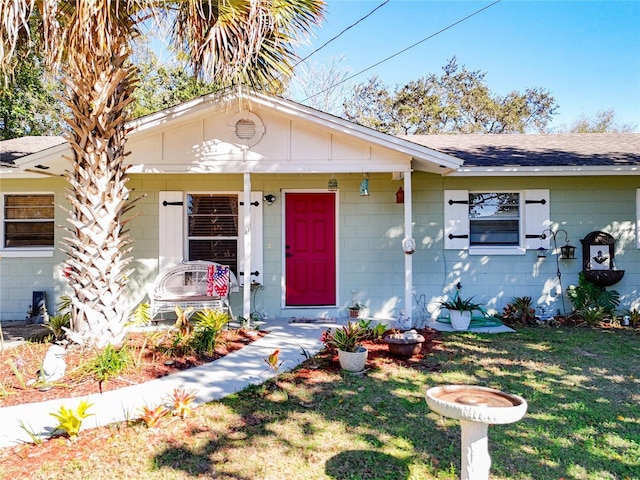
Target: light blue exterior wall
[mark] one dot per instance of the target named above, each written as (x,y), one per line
(578,205)
(370,228)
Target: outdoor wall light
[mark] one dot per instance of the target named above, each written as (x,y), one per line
(364,186)
(269,199)
(332,185)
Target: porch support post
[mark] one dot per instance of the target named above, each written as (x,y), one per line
(246,291)
(408,259)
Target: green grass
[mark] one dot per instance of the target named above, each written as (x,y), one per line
(583,422)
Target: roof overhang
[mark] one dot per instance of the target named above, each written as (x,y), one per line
(552,171)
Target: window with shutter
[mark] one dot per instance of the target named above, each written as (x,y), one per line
(28,221)
(212,228)
(498,223)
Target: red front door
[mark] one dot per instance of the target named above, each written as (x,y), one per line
(310,249)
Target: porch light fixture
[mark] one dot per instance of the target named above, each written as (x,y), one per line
(332,185)
(400,195)
(364,186)
(269,199)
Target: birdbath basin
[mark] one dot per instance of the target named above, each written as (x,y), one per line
(475,407)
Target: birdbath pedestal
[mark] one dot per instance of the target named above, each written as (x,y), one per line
(475,407)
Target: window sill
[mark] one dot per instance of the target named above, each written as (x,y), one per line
(497,251)
(26,252)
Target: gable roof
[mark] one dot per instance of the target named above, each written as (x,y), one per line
(570,152)
(34,155)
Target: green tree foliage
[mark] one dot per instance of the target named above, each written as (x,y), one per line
(604,121)
(457,101)
(164,83)
(28,104)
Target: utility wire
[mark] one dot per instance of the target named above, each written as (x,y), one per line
(404,49)
(331,40)
(341,33)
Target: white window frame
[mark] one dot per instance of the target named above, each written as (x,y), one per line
(172,226)
(534,219)
(23,252)
(237,238)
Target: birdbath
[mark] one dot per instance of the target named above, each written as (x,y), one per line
(475,407)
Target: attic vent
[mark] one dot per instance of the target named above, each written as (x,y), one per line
(245,129)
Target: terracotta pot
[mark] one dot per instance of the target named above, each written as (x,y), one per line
(354,312)
(459,320)
(353,361)
(404,347)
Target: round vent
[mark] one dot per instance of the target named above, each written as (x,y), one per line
(245,129)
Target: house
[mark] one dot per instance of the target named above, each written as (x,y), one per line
(314,213)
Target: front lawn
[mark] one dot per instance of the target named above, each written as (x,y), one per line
(583,422)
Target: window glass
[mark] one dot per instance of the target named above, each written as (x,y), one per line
(28,221)
(213,228)
(494,219)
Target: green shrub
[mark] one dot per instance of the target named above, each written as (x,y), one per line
(56,324)
(592,315)
(206,330)
(587,296)
(109,363)
(634,316)
(519,312)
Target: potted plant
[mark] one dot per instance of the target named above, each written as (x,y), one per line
(404,344)
(460,311)
(351,355)
(354,310)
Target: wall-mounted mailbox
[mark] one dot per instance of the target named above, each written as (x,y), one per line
(598,255)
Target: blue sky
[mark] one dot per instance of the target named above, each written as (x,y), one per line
(586,53)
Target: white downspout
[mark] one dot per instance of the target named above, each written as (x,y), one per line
(408,258)
(246,291)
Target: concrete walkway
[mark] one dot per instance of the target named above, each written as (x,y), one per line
(212,381)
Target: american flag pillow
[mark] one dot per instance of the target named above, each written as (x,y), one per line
(217,280)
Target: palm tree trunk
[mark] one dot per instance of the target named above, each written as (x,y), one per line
(99,87)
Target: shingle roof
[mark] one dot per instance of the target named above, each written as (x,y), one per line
(507,150)
(11,150)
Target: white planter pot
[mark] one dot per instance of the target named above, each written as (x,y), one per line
(459,320)
(353,361)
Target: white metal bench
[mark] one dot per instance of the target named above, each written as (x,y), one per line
(189,285)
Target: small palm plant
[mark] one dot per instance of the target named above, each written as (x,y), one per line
(274,363)
(181,401)
(70,421)
(346,338)
(208,327)
(457,303)
(151,416)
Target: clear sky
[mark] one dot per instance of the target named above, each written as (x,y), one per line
(586,53)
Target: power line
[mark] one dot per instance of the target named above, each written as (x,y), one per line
(341,33)
(331,40)
(404,49)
